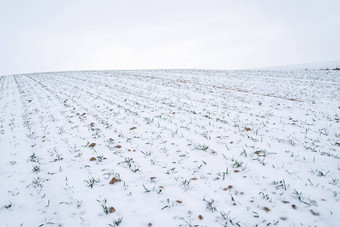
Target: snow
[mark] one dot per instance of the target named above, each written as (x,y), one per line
(190,148)
(309,66)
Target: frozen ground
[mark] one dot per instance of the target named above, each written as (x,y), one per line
(179,147)
(313,66)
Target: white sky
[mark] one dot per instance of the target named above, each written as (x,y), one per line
(61,35)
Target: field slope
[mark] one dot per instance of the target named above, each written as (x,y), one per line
(170,148)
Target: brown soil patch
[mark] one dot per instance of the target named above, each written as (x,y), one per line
(266,209)
(114,180)
(200,217)
(92,145)
(93,159)
(112,209)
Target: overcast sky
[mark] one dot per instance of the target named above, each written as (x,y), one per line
(61,35)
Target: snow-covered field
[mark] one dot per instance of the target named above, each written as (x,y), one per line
(170,148)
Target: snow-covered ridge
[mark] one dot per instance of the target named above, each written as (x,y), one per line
(311,66)
(170,148)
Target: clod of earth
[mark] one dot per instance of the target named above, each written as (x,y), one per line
(92,145)
(112,209)
(118,146)
(200,217)
(266,209)
(93,159)
(115,180)
(133,128)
